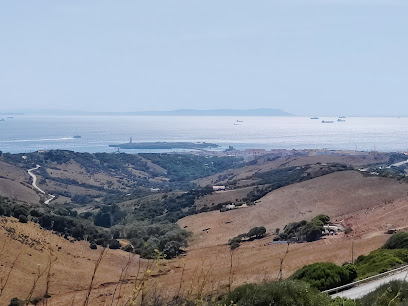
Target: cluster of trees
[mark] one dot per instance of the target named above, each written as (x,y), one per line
(170,208)
(10,208)
(145,238)
(304,230)
(255,233)
(187,167)
(108,215)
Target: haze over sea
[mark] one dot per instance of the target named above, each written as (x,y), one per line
(30,133)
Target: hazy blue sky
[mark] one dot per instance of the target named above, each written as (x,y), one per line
(306,57)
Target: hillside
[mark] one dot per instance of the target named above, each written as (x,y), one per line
(136,200)
(275,161)
(335,194)
(72,265)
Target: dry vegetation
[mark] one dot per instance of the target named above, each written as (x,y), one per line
(336,195)
(63,269)
(266,163)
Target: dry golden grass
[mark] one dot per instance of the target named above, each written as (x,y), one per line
(336,195)
(264,165)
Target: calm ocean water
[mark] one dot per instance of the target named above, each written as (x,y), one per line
(30,133)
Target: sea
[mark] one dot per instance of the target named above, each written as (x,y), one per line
(28,133)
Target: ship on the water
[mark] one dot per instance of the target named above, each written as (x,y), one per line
(327,121)
(341,120)
(314,118)
(77,136)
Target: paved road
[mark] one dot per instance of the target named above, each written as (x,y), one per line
(398,164)
(36,186)
(360,291)
(35,179)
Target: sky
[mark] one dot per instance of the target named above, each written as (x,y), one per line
(316,57)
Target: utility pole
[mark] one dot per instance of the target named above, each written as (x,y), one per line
(352,252)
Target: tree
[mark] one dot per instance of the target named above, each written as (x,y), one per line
(257,232)
(172,249)
(397,241)
(103,219)
(114,244)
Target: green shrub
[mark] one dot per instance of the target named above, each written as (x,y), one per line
(128,248)
(282,293)
(114,244)
(16,302)
(35,213)
(256,232)
(397,241)
(22,218)
(380,261)
(325,275)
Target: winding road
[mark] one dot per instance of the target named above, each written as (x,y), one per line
(36,186)
(398,164)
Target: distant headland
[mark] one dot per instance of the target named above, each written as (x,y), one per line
(165,145)
(179,112)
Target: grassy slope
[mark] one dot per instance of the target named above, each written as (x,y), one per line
(336,194)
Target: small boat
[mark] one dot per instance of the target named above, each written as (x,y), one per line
(76,136)
(341,120)
(314,118)
(10,117)
(327,121)
(342,117)
(240,121)
(236,124)
(2,119)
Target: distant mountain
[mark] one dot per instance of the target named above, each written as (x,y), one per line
(180,112)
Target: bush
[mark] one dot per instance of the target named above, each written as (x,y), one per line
(35,213)
(114,244)
(128,248)
(22,219)
(282,293)
(380,261)
(256,232)
(16,302)
(20,210)
(397,241)
(325,275)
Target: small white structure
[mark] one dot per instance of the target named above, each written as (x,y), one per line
(229,206)
(218,188)
(332,229)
